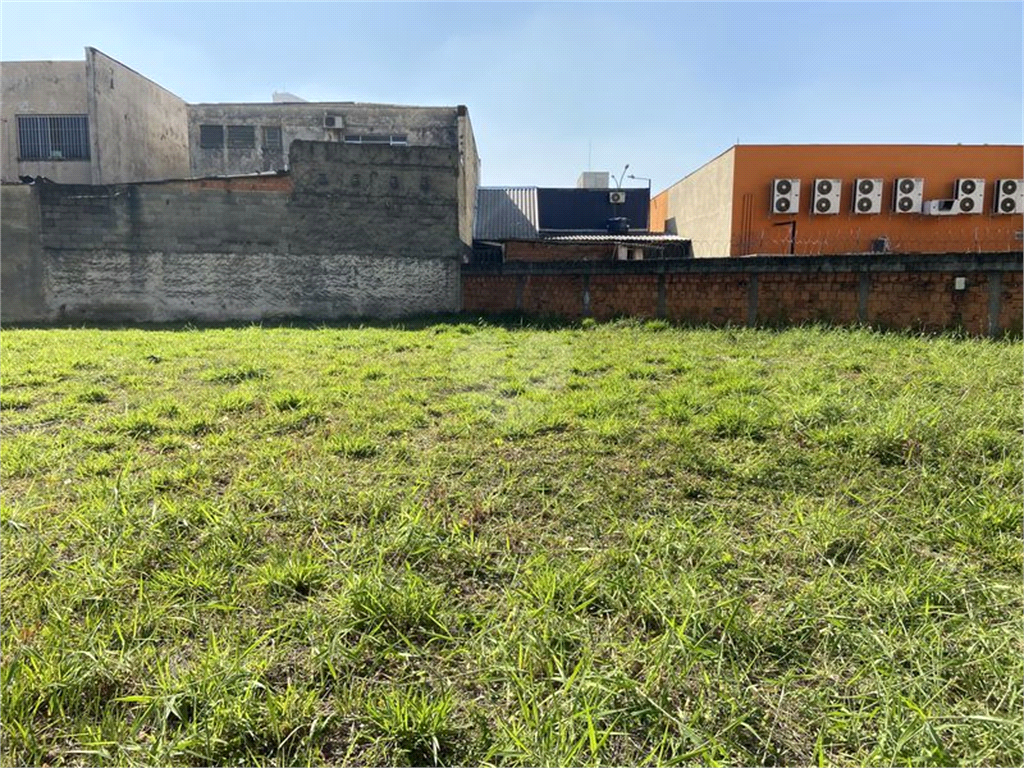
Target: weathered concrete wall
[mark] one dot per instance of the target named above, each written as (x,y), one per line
(138,130)
(21,255)
(422,126)
(41,88)
(377,199)
(469,176)
(129,286)
(352,230)
(700,207)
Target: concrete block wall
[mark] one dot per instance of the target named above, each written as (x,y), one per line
(352,231)
(917,292)
(21,256)
(377,198)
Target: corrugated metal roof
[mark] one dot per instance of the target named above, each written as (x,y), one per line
(506,213)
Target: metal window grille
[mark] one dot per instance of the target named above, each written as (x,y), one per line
(241,137)
(272,139)
(211,136)
(53,137)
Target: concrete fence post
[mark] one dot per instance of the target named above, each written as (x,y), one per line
(662,303)
(520,290)
(995,295)
(586,295)
(862,296)
(752,300)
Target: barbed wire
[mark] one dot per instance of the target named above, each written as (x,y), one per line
(977,240)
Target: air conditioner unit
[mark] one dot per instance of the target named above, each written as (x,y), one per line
(617,197)
(969,195)
(786,196)
(1009,196)
(907,195)
(334,121)
(827,194)
(867,195)
(940,208)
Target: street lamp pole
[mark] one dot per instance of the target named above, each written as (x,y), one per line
(642,178)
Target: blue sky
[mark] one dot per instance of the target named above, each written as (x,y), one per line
(555,88)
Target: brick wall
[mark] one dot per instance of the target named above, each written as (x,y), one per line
(535,250)
(891,292)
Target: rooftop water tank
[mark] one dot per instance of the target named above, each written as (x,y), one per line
(618,225)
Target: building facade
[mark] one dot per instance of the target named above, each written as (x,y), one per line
(100,122)
(89,122)
(833,199)
(227,139)
(591,222)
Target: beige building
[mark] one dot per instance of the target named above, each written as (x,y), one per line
(233,138)
(89,122)
(100,122)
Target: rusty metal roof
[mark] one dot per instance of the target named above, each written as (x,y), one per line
(506,213)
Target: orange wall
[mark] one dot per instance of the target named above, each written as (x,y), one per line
(754,227)
(659,212)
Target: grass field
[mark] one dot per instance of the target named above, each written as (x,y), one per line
(615,544)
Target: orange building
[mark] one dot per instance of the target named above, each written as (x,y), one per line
(849,198)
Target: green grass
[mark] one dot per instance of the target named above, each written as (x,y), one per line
(601,544)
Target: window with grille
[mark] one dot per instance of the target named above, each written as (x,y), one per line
(241,137)
(53,137)
(211,136)
(272,138)
(377,138)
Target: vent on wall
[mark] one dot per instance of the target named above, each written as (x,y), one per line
(969,195)
(827,194)
(867,196)
(786,196)
(907,195)
(1009,197)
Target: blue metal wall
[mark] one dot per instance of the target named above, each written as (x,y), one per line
(590,209)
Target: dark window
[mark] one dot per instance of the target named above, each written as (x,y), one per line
(211,136)
(53,137)
(241,137)
(272,138)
